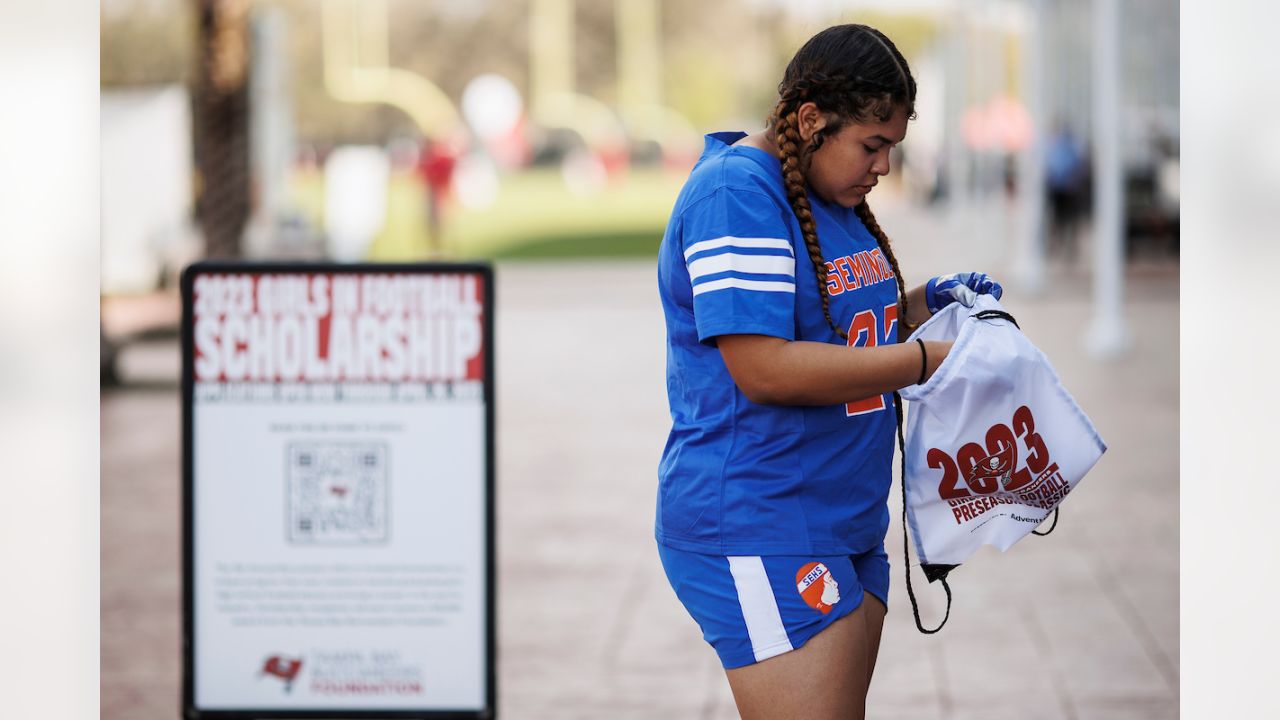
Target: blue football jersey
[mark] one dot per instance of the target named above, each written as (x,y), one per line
(742,478)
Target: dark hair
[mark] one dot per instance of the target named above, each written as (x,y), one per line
(857,74)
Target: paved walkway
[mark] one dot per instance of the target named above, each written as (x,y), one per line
(1082,624)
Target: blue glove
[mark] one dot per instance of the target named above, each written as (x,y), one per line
(963,287)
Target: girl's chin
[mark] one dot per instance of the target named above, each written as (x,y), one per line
(851,198)
(847,198)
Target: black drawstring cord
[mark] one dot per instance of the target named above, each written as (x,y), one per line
(906,551)
(988,314)
(1052,525)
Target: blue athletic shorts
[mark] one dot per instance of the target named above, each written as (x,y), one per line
(751,608)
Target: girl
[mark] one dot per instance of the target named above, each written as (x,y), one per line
(772,502)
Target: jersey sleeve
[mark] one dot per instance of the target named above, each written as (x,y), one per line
(742,265)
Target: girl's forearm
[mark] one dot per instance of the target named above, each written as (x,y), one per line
(778,372)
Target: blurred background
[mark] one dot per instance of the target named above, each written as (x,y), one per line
(551,137)
(388,130)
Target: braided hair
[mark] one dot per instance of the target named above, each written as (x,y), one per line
(857,74)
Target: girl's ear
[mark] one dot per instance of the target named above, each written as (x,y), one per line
(810,120)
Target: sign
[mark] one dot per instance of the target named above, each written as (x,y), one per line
(338,491)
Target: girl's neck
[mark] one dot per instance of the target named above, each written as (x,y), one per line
(762,140)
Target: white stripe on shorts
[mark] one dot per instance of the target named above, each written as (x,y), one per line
(759,608)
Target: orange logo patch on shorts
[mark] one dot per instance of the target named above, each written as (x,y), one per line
(817,586)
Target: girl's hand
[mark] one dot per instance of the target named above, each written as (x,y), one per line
(963,288)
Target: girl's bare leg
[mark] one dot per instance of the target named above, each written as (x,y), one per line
(874,620)
(826,679)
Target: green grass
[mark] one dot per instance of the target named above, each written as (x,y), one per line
(533,216)
(636,244)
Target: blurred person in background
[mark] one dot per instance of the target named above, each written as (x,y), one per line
(1067,176)
(436,162)
(773,486)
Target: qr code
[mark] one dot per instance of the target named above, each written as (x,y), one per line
(337,493)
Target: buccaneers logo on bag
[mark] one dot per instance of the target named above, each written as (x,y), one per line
(993,468)
(981,476)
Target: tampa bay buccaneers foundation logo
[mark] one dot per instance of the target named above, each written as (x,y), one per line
(981,476)
(282,667)
(818,587)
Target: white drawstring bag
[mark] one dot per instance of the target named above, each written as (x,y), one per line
(994,442)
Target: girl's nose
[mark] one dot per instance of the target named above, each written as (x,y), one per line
(881,164)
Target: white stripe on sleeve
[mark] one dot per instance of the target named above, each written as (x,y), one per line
(737,242)
(758,264)
(739,283)
(759,608)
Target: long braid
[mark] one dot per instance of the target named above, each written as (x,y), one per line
(787,136)
(863,211)
(856,74)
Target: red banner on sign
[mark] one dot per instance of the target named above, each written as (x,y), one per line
(343,327)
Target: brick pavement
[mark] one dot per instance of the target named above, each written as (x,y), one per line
(1082,624)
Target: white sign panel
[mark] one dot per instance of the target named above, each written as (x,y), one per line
(339,472)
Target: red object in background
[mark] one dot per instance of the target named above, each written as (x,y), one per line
(1001,125)
(436,164)
(616,159)
(510,149)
